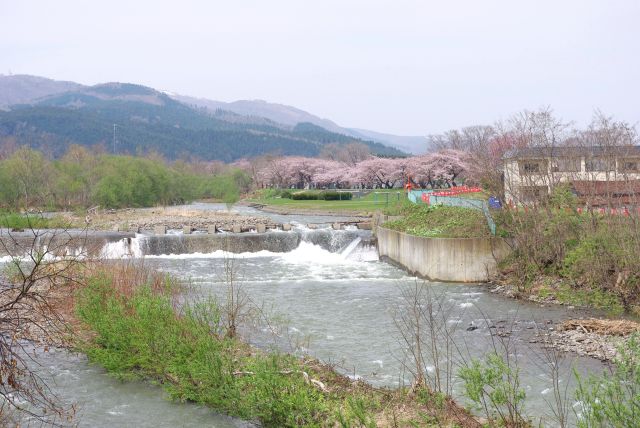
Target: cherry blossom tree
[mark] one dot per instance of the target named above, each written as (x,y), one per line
(448,165)
(376,172)
(420,171)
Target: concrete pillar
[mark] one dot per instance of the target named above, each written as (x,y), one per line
(364,225)
(286,227)
(336,226)
(261,228)
(186,230)
(160,229)
(237,228)
(212,229)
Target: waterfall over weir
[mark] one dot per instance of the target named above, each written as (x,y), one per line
(299,241)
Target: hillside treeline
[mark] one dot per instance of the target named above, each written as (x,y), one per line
(172,130)
(82,178)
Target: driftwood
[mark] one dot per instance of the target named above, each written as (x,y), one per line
(307,379)
(601,326)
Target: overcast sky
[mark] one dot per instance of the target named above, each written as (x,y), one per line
(405,67)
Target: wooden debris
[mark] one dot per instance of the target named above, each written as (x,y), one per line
(601,326)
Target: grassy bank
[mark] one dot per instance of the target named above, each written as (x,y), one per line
(388,200)
(17,221)
(139,332)
(440,222)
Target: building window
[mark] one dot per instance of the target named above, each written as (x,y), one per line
(567,165)
(531,167)
(629,165)
(599,165)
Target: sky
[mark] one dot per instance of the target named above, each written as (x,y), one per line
(397,66)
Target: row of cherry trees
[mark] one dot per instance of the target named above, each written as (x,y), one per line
(444,168)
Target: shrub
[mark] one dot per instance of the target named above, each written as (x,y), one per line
(305,196)
(286,194)
(336,196)
(613,399)
(494,386)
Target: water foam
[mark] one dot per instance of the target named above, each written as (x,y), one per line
(308,253)
(352,246)
(123,249)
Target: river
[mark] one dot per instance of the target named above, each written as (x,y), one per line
(338,300)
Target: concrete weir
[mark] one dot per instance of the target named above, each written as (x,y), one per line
(443,259)
(159,242)
(207,243)
(61,242)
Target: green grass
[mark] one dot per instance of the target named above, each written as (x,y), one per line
(30,221)
(369,203)
(441,222)
(593,298)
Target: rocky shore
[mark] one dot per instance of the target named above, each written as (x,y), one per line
(595,338)
(172,218)
(590,337)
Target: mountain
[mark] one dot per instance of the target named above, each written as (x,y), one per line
(291,116)
(21,88)
(278,113)
(148,120)
(415,144)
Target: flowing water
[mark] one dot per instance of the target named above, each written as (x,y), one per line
(339,300)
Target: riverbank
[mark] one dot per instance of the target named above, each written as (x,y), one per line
(139,332)
(598,338)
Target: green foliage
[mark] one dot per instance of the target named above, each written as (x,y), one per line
(221,187)
(336,196)
(275,193)
(562,197)
(140,335)
(82,179)
(437,221)
(327,195)
(24,176)
(492,385)
(613,399)
(356,413)
(593,297)
(305,196)
(29,221)
(594,255)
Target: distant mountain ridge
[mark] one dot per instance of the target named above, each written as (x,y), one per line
(22,88)
(147,120)
(43,110)
(291,116)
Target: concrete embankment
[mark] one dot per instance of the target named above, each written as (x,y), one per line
(443,259)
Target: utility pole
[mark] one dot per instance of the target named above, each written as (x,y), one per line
(114,138)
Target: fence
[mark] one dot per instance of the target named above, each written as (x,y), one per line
(431,197)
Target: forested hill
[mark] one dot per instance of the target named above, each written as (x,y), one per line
(149,121)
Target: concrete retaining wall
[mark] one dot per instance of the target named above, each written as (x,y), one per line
(443,259)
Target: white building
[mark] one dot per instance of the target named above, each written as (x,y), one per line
(603,173)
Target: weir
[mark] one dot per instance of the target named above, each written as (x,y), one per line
(334,241)
(114,245)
